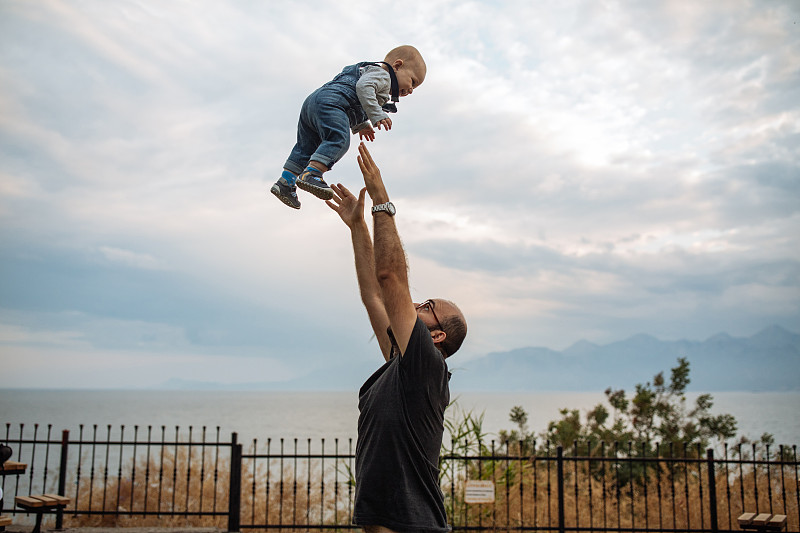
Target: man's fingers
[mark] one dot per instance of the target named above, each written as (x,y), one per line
(340,190)
(362,149)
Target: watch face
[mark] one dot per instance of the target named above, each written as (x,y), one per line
(390,208)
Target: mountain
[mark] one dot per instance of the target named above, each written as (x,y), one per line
(767,361)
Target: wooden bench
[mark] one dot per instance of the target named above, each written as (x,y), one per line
(12,467)
(762,522)
(40,504)
(4,521)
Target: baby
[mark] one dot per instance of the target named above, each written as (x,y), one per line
(358,99)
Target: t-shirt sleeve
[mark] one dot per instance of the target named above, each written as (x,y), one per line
(422,362)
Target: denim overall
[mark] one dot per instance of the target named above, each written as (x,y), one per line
(326,118)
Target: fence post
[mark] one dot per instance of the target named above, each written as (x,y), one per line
(235,485)
(62,477)
(560,487)
(712,490)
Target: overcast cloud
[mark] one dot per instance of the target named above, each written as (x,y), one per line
(568,170)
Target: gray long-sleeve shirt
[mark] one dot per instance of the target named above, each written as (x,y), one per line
(373,89)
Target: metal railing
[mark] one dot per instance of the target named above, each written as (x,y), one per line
(155,476)
(289,486)
(122,474)
(602,487)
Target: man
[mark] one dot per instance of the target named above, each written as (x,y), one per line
(401,406)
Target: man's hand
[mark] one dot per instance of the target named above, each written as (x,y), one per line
(350,208)
(366,133)
(372,176)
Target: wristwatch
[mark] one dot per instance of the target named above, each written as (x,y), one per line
(388,208)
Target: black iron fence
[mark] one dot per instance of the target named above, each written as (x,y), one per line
(615,487)
(186,477)
(114,475)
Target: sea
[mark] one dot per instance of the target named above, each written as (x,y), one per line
(275,415)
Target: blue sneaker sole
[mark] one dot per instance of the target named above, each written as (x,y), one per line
(323,193)
(285,199)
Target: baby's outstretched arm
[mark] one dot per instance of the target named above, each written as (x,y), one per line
(367,133)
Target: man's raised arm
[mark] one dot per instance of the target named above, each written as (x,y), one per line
(351,211)
(391,268)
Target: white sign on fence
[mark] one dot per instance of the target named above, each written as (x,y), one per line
(479,491)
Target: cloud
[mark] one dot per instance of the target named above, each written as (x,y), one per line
(568,170)
(58,368)
(129,258)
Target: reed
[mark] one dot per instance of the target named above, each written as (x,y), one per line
(157,491)
(182,488)
(619,487)
(597,497)
(179,486)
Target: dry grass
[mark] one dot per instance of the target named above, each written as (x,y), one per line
(299,492)
(160,486)
(173,490)
(670,500)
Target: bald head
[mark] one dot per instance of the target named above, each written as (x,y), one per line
(453,324)
(411,59)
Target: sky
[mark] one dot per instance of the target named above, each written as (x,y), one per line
(569,170)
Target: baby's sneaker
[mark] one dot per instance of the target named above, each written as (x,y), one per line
(286,193)
(313,183)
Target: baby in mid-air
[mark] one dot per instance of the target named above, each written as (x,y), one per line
(358,99)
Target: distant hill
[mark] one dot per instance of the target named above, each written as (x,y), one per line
(769,360)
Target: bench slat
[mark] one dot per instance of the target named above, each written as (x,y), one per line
(777,521)
(745,519)
(762,519)
(5,520)
(25,501)
(13,467)
(41,501)
(44,499)
(62,500)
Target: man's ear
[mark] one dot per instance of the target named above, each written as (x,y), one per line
(438,336)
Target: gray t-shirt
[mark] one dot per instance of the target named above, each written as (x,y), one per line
(400,426)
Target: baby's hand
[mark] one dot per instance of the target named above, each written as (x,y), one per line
(366,133)
(387,123)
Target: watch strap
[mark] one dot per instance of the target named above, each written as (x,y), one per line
(386,207)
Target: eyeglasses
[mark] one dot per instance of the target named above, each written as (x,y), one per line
(429,305)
